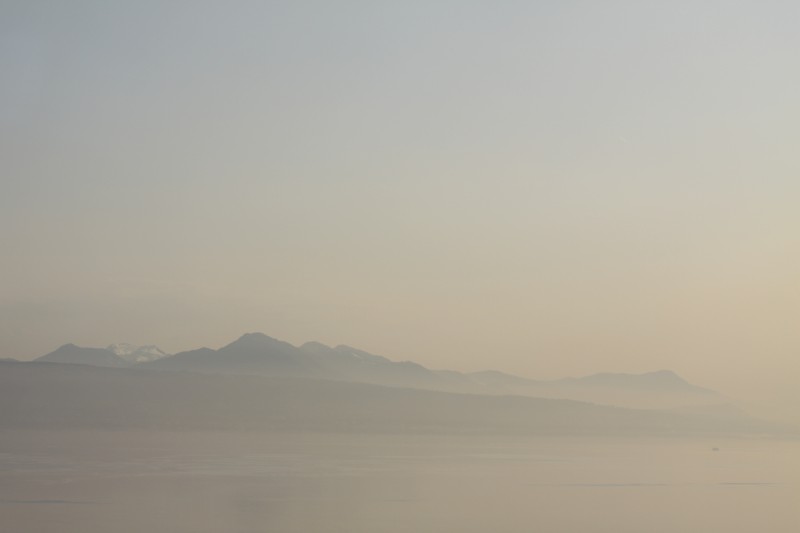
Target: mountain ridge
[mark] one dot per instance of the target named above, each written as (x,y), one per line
(69,396)
(261,354)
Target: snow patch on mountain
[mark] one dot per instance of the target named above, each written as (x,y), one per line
(137,354)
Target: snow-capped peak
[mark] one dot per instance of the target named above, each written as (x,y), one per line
(137,354)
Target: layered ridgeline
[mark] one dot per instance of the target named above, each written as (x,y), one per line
(45,395)
(259,354)
(261,383)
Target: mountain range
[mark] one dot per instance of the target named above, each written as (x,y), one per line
(261,383)
(57,396)
(259,354)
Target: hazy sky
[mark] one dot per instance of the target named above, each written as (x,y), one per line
(546,188)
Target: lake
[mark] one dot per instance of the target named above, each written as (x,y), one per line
(181,482)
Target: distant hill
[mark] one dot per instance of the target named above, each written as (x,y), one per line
(662,389)
(69,353)
(68,396)
(665,380)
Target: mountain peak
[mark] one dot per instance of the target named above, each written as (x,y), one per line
(257,343)
(252,340)
(314,345)
(665,375)
(255,337)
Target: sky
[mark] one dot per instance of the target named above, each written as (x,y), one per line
(546,188)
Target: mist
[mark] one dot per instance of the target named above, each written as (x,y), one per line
(487,255)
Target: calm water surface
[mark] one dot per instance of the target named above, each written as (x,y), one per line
(121,482)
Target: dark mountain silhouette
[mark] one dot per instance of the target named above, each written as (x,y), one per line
(256,353)
(66,396)
(252,353)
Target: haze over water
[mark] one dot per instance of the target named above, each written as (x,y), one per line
(569,228)
(545,188)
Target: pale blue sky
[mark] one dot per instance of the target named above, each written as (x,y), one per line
(546,188)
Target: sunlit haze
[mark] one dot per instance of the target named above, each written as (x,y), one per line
(544,188)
